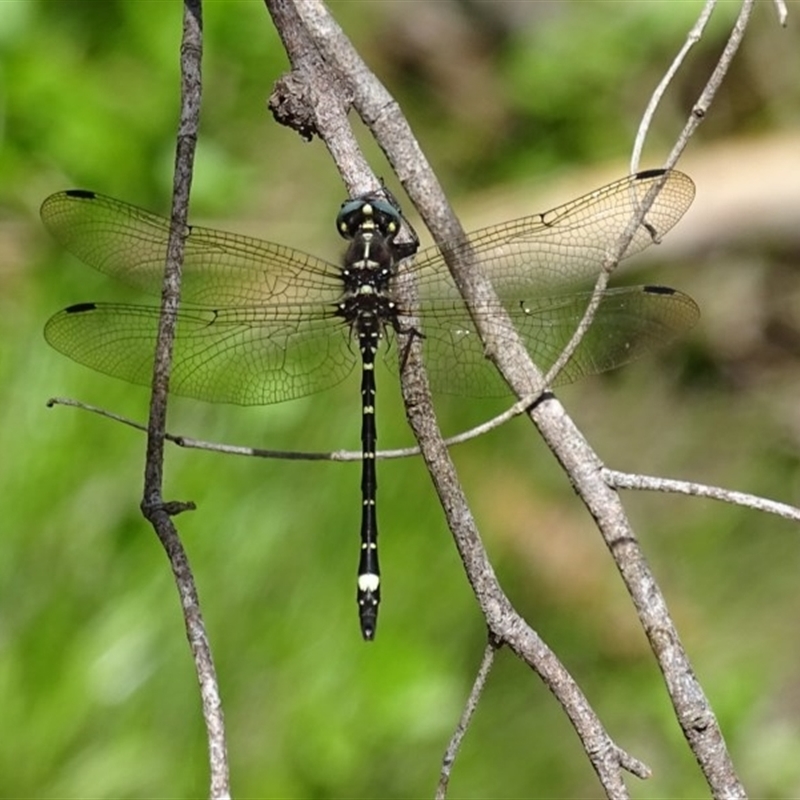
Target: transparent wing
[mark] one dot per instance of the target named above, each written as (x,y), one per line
(563,248)
(220,269)
(247,356)
(629,322)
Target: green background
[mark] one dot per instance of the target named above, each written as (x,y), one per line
(97,691)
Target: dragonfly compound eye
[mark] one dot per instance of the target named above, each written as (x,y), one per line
(368,211)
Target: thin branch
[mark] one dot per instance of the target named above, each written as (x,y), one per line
(466,716)
(190,443)
(614,478)
(626,480)
(331,71)
(229,449)
(703,103)
(153,506)
(694,36)
(610,263)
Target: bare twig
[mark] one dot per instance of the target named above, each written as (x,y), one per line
(703,103)
(695,118)
(469,709)
(191,443)
(610,263)
(694,36)
(154,508)
(328,76)
(614,478)
(214,447)
(626,480)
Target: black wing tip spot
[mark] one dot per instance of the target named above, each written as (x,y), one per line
(658,290)
(650,173)
(84,194)
(80,308)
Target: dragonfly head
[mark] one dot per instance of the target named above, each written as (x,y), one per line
(368,213)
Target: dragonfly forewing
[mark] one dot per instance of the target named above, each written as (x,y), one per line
(565,248)
(219,268)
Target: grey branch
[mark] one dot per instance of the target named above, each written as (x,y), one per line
(155,509)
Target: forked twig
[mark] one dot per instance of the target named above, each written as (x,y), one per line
(700,108)
(693,710)
(695,118)
(390,129)
(693,37)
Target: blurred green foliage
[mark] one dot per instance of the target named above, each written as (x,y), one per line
(96,684)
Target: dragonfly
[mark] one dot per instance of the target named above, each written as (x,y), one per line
(262,323)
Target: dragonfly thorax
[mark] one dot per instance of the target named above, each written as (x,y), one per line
(370,262)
